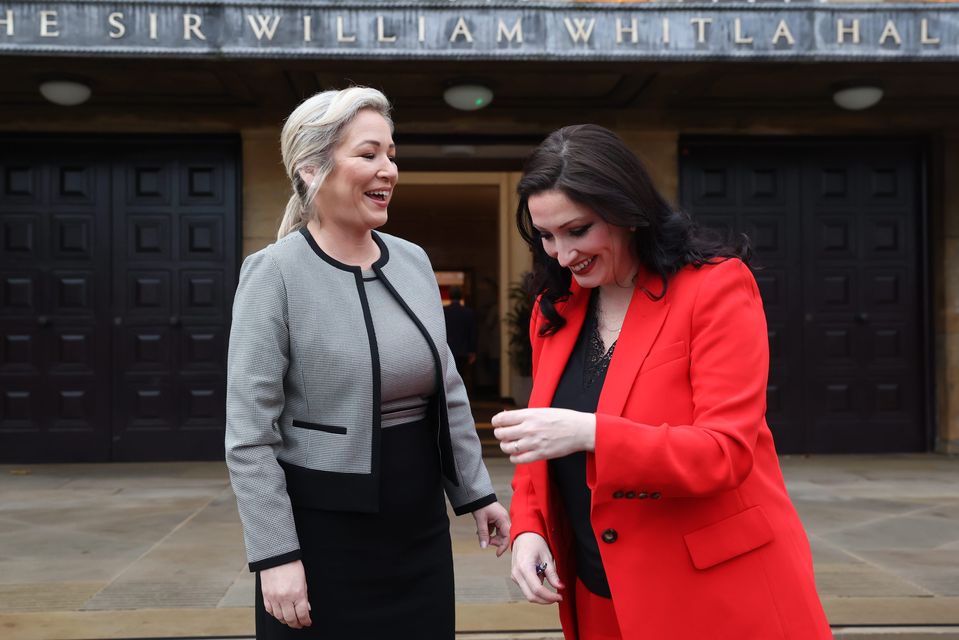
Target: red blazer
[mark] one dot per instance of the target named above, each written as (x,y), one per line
(696,531)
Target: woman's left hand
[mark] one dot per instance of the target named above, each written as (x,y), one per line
(492,527)
(528,435)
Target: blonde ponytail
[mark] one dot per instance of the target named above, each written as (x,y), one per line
(309,137)
(293,218)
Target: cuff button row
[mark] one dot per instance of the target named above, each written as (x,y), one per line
(642,495)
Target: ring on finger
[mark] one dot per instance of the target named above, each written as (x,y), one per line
(516,446)
(541,568)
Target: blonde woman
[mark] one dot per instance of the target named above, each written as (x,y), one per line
(346,418)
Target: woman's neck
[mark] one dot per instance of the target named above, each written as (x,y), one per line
(615,299)
(354,247)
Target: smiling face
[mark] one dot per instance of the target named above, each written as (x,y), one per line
(596,252)
(357,192)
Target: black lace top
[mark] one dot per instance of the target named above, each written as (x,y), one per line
(579,390)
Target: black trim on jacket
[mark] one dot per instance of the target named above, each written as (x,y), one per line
(444,442)
(375,362)
(475,504)
(332,490)
(382,260)
(275,561)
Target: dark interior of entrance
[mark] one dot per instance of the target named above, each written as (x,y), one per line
(457,226)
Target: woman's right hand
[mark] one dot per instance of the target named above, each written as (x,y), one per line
(284,594)
(530,550)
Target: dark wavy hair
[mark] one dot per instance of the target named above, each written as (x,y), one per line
(592,166)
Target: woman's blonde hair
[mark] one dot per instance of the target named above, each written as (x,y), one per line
(309,137)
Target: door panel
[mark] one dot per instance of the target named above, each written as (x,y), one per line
(52,313)
(116,279)
(834,229)
(758,194)
(174,281)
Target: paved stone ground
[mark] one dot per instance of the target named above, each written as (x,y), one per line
(155,550)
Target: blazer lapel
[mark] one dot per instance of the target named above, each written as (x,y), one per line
(644,318)
(557,348)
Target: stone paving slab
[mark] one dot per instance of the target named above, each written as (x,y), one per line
(155,550)
(173,574)
(872,611)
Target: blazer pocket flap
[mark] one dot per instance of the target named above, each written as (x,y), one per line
(319,427)
(726,539)
(662,356)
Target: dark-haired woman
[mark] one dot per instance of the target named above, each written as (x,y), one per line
(647,490)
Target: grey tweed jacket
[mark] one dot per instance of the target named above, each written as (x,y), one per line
(303,390)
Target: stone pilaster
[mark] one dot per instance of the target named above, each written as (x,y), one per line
(947,321)
(265,187)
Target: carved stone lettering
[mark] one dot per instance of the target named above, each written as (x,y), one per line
(381,31)
(263,25)
(516,33)
(7,22)
(340,35)
(461,30)
(890,31)
(48,24)
(117,28)
(925,38)
(192,24)
(701,28)
(457,30)
(783,33)
(632,30)
(842,30)
(738,36)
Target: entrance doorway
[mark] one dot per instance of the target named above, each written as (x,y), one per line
(458,227)
(836,231)
(117,272)
(464,221)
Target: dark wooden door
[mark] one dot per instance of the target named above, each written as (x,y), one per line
(54,336)
(834,227)
(162,267)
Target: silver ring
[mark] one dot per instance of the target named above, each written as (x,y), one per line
(516,446)
(541,568)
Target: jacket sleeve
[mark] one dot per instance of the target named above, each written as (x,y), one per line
(525,511)
(475,490)
(729,362)
(258,358)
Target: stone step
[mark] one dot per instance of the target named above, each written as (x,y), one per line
(923,632)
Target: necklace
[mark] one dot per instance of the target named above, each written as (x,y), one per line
(601,319)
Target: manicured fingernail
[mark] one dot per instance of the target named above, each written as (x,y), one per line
(483,544)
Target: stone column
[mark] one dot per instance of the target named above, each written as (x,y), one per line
(266,188)
(946,271)
(659,152)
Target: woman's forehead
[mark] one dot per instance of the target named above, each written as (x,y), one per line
(554,209)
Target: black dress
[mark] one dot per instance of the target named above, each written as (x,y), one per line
(389,574)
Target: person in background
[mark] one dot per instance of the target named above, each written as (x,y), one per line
(461,333)
(346,418)
(647,489)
